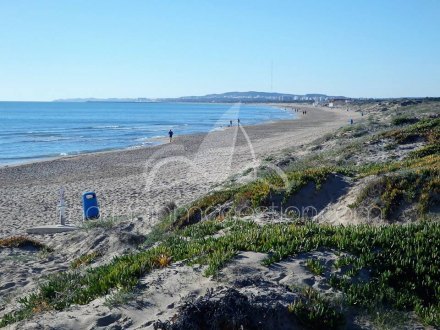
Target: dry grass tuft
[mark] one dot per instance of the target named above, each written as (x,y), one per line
(163,260)
(43,306)
(20,242)
(85,259)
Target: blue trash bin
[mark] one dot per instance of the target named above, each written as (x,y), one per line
(90,205)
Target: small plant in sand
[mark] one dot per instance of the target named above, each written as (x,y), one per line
(343,261)
(84,260)
(119,298)
(387,319)
(315,266)
(163,260)
(106,223)
(41,307)
(316,312)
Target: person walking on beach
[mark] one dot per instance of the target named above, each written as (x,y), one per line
(230,123)
(170,134)
(238,122)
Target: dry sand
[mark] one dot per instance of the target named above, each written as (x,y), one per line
(137,183)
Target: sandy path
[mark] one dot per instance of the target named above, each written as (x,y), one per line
(139,181)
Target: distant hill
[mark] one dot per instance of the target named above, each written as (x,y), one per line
(229,97)
(253,96)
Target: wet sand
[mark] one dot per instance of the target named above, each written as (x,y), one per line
(135,183)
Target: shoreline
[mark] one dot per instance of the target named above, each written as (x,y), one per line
(212,173)
(156,141)
(139,181)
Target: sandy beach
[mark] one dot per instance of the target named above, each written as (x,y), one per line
(133,186)
(195,165)
(203,165)
(136,183)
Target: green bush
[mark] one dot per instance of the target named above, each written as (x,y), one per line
(403,120)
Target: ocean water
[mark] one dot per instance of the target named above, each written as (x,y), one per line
(36,130)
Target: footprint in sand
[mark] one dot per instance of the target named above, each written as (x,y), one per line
(308,281)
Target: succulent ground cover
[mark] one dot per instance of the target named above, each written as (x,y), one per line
(399,259)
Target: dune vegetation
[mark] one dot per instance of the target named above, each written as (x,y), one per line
(20,242)
(399,260)
(390,265)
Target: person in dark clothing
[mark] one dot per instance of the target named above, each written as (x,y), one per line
(170,134)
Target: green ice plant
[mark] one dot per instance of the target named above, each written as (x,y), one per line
(400,260)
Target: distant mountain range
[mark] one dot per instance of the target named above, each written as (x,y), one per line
(229,97)
(254,97)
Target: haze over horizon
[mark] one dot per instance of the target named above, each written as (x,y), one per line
(157,49)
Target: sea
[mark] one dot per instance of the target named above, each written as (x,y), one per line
(37,130)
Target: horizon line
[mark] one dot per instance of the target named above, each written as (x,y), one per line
(153,99)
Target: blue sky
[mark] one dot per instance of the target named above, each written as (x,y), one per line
(163,48)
